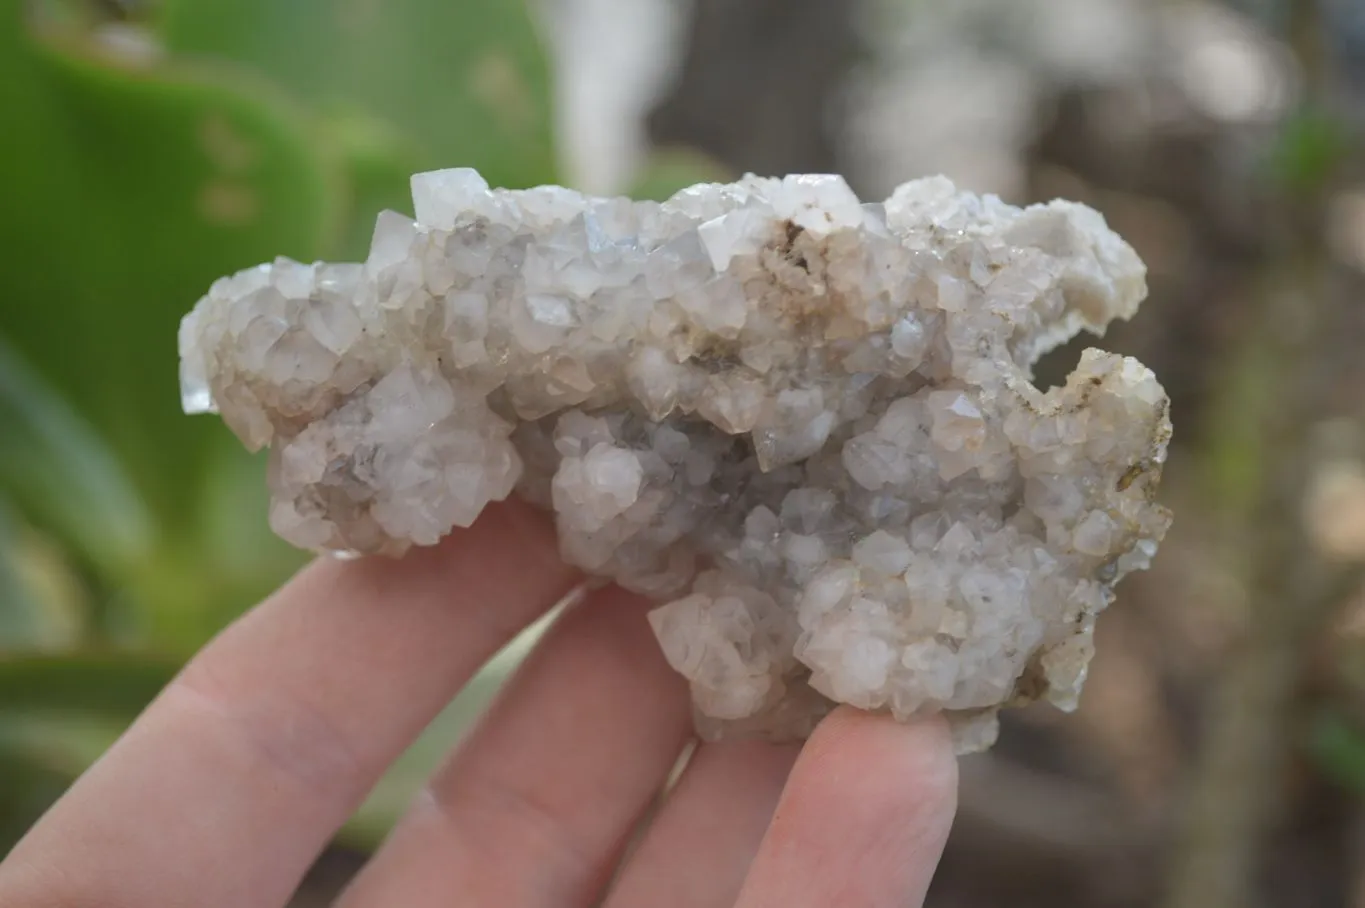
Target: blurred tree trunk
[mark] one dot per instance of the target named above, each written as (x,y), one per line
(759,84)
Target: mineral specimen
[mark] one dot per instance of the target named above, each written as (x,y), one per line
(803,423)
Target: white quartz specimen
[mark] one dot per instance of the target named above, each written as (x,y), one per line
(802,423)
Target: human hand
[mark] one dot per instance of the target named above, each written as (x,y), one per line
(234,779)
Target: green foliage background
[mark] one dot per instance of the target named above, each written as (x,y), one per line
(142,161)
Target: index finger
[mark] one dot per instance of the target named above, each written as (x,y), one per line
(226,788)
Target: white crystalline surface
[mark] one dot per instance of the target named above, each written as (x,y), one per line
(802,423)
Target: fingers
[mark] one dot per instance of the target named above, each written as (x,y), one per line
(863,820)
(535,807)
(225,789)
(698,850)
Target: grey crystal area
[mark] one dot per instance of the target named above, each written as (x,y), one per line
(802,423)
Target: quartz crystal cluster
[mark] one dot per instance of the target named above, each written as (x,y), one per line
(803,424)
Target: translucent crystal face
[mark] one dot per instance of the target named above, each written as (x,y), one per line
(803,423)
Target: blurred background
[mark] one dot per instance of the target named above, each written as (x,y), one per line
(150,146)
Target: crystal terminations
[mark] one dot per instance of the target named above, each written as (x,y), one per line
(803,423)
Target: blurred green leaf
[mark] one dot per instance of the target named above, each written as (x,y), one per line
(30,788)
(1311,146)
(1338,747)
(1234,456)
(110,685)
(21,607)
(669,170)
(131,186)
(463,82)
(60,470)
(36,610)
(379,162)
(66,744)
(244,558)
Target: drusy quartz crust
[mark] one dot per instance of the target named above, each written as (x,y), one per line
(803,424)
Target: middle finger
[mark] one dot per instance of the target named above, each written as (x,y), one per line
(535,808)
(698,850)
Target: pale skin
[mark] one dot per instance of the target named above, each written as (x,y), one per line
(233,780)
